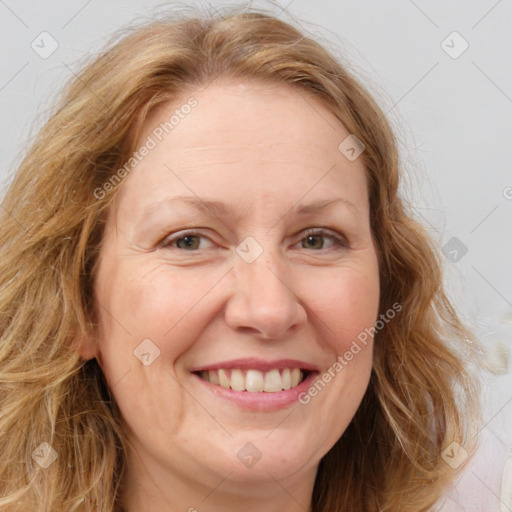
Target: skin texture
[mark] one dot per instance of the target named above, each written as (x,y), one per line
(262,149)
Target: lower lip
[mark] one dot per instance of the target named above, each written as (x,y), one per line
(261,401)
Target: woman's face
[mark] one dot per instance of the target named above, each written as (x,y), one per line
(209,280)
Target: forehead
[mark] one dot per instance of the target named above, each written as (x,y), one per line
(250,114)
(244,140)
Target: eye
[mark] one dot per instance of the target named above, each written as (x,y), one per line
(315,237)
(188,241)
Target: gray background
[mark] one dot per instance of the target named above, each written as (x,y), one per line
(452,112)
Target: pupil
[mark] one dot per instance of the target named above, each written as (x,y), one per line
(312,238)
(188,241)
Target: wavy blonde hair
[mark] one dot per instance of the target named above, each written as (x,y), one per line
(420,397)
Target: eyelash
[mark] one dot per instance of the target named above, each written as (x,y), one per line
(338,241)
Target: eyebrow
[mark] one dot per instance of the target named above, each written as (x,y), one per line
(221,209)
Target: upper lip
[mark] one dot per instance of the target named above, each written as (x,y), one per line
(257,364)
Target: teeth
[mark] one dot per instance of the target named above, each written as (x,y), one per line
(237,380)
(213,377)
(296,376)
(254,381)
(224,381)
(273,382)
(287,379)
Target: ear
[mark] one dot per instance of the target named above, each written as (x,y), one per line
(87,346)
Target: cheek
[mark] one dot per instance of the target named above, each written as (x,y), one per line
(344,303)
(170,308)
(345,306)
(160,303)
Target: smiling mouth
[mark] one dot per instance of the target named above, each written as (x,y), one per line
(255,381)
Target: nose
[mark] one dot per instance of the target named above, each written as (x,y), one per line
(264,302)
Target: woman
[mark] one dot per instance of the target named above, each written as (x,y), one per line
(213,297)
